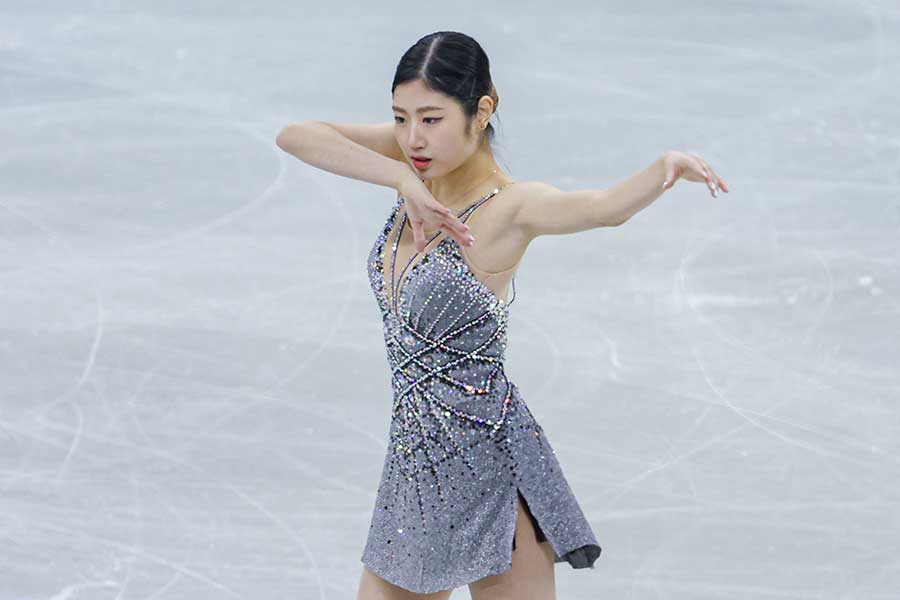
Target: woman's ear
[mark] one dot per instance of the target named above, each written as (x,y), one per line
(485,110)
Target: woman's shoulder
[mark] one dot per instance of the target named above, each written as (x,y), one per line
(530,190)
(522,194)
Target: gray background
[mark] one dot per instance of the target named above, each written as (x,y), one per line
(194,394)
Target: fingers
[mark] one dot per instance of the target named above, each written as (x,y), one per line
(713,180)
(439,208)
(457,226)
(418,233)
(720,183)
(701,169)
(450,219)
(444,220)
(678,162)
(453,226)
(463,239)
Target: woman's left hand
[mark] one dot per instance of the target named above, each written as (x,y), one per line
(691,167)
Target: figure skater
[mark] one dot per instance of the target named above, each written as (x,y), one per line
(471,492)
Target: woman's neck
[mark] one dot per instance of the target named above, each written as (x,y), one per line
(456,189)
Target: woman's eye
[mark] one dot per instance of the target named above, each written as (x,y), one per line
(399,120)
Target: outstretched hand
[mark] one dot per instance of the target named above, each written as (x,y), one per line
(693,168)
(426,215)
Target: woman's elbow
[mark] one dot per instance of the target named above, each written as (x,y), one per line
(290,136)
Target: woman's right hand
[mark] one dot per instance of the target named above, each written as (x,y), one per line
(426,215)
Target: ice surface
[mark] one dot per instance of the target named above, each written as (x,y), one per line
(194,399)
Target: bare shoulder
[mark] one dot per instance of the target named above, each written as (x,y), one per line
(523,200)
(513,201)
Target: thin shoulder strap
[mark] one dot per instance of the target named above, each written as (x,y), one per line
(471,208)
(513,280)
(462,216)
(396,284)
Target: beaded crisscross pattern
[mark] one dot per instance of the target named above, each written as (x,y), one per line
(445,337)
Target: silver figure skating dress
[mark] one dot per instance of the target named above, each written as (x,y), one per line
(462,441)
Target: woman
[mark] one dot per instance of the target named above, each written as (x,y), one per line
(471,492)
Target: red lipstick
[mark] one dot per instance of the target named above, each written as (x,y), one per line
(421,164)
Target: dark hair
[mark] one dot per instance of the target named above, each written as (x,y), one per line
(454,64)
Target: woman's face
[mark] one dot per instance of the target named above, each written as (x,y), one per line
(437,133)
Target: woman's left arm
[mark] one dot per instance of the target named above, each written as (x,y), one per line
(551,211)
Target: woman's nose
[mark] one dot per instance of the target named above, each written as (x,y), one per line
(414,137)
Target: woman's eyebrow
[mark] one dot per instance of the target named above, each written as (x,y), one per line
(419,110)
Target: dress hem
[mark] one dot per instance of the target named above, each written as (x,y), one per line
(581,557)
(584,556)
(383,575)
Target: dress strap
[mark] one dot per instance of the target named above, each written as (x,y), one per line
(465,215)
(471,208)
(397,284)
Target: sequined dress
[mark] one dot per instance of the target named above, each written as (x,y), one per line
(462,441)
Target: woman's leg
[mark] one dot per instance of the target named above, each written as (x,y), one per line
(531,576)
(373,587)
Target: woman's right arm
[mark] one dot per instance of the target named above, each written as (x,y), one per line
(370,153)
(325,147)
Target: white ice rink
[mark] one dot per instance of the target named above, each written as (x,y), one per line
(194,396)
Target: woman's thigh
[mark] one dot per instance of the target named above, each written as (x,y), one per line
(373,587)
(531,576)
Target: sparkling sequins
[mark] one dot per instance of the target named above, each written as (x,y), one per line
(462,440)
